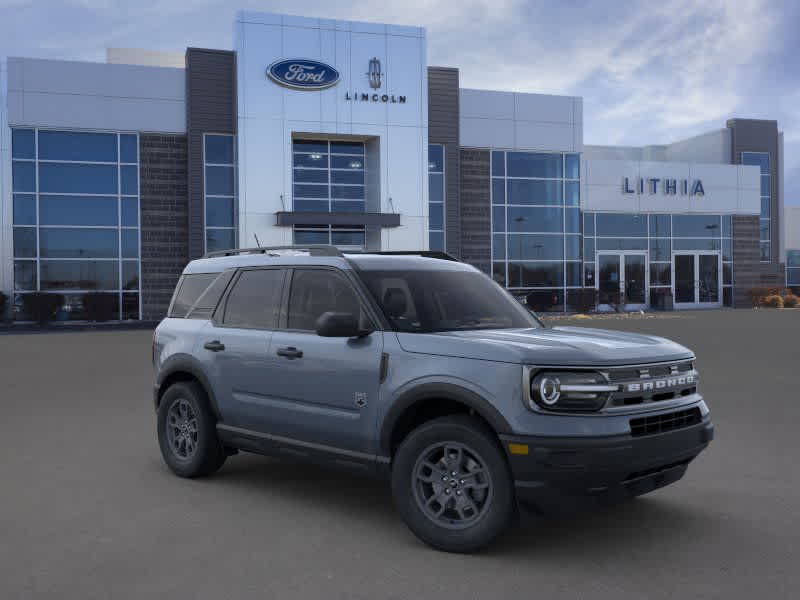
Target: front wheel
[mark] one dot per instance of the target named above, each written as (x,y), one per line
(452,485)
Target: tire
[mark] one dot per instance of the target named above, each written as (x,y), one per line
(190,447)
(461,514)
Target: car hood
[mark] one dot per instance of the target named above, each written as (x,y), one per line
(578,346)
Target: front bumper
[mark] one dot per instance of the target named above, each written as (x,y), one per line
(558,472)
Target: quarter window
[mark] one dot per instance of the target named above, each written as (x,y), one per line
(254,301)
(188,291)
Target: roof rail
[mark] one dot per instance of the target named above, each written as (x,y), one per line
(312,249)
(424,253)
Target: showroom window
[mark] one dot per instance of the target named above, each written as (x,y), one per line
(536,241)
(793,268)
(761,160)
(76,220)
(436,197)
(328,176)
(219,160)
(659,235)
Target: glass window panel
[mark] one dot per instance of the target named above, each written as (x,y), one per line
(345,162)
(498,191)
(311,205)
(573,166)
(77,210)
(347,238)
(573,274)
(660,249)
(23,143)
(311,237)
(499,273)
(78,243)
(793,258)
(588,249)
(78,146)
(660,274)
(347,148)
(537,219)
(536,274)
(522,191)
(765,185)
(572,220)
(435,158)
(588,224)
(25,275)
(695,244)
(572,245)
(128,148)
(130,243)
(535,247)
(436,187)
(23,176)
(498,218)
(498,163)
(310,146)
(622,225)
(766,251)
(353,206)
(499,247)
(219,181)
(436,241)
(759,159)
(220,239)
(130,307)
(24,209)
(25,242)
(129,183)
(727,297)
(130,212)
(130,274)
(532,164)
(347,192)
(79,275)
(436,216)
(311,175)
(219,149)
(727,249)
(219,212)
(254,301)
(660,226)
(310,191)
(588,274)
(793,277)
(621,243)
(763,229)
(727,226)
(358,177)
(77,179)
(696,225)
(727,273)
(765,208)
(572,191)
(545,300)
(317,161)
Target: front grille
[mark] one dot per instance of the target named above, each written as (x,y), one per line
(634,373)
(666,422)
(647,377)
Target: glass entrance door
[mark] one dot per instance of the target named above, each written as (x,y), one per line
(622,279)
(697,279)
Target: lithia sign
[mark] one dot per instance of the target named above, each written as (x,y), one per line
(306,74)
(667,186)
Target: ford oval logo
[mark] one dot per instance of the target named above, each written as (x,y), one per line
(303,74)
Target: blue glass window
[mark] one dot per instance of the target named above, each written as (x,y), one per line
(695,244)
(311,237)
(572,247)
(313,146)
(727,225)
(499,247)
(696,225)
(621,243)
(311,205)
(130,243)
(572,192)
(573,166)
(130,275)
(311,175)
(622,225)
(219,149)
(219,239)
(23,143)
(533,274)
(354,177)
(347,148)
(25,275)
(436,188)
(23,176)
(436,216)
(498,191)
(529,164)
(498,163)
(219,181)
(77,210)
(347,206)
(310,191)
(77,178)
(660,226)
(24,209)
(535,219)
(535,247)
(342,162)
(77,146)
(24,242)
(128,149)
(435,158)
(498,218)
(130,212)
(793,258)
(588,249)
(765,191)
(79,275)
(660,249)
(436,241)
(573,274)
(588,224)
(531,191)
(219,212)
(347,192)
(758,159)
(78,243)
(572,220)
(129,180)
(318,161)
(347,238)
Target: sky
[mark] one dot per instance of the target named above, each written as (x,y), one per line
(649,72)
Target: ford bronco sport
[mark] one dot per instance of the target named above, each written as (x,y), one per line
(421,369)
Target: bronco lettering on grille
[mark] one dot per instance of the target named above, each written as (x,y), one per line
(660,384)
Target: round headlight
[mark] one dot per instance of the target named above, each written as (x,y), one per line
(570,390)
(548,388)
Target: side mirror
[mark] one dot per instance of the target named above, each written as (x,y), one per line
(336,324)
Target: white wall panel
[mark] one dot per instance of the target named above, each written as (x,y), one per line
(486,104)
(486,133)
(540,135)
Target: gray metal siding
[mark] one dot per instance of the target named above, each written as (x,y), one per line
(210,108)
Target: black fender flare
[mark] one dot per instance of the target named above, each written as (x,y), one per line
(446,391)
(186,364)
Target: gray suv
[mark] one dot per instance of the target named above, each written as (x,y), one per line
(421,369)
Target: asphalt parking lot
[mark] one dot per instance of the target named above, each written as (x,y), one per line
(88,510)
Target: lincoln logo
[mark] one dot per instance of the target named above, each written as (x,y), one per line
(301,74)
(659,384)
(374,74)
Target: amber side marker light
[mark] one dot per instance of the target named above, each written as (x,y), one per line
(518,448)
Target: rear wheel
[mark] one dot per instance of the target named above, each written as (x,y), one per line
(452,485)
(187,432)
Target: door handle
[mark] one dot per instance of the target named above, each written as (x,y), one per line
(290,352)
(215,346)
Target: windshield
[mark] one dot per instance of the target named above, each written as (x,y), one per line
(425,301)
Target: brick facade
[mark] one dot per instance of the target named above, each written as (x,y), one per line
(164,219)
(476,209)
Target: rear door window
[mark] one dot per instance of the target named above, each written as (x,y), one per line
(254,300)
(189,289)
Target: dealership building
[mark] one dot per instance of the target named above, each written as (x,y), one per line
(113,175)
